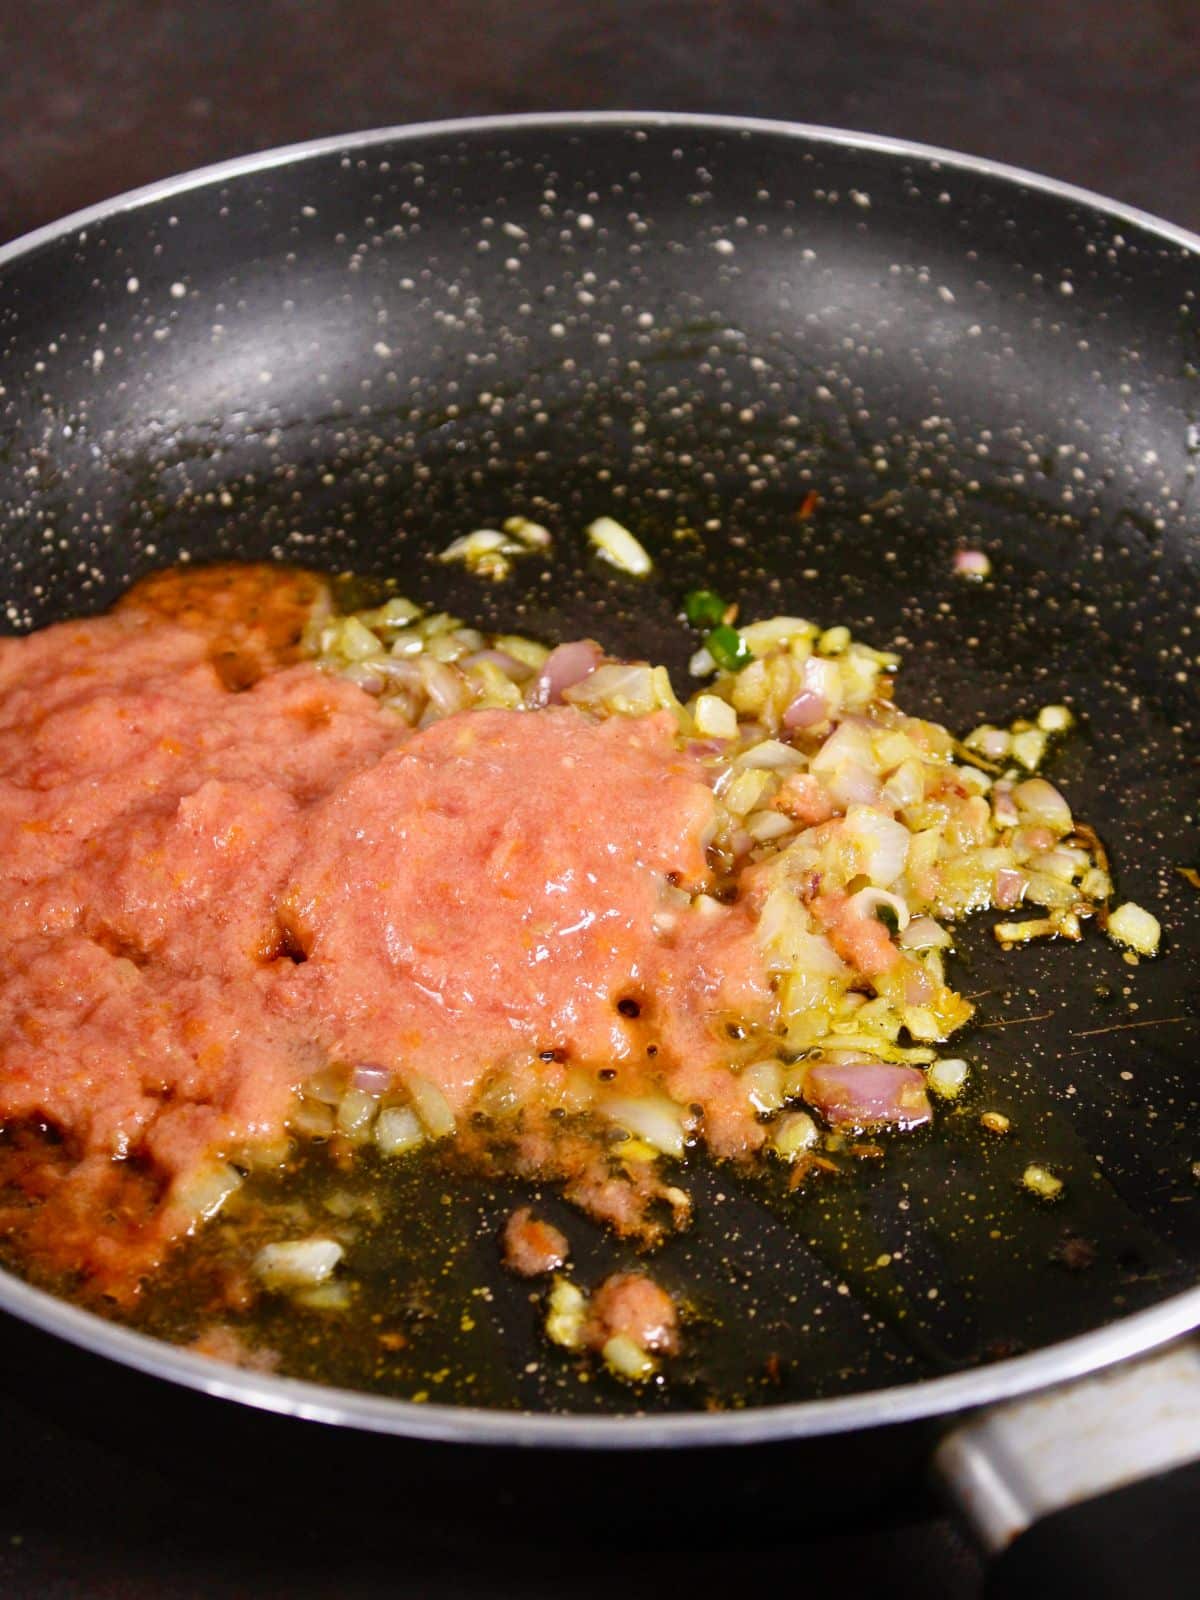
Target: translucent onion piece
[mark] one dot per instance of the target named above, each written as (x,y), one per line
(923,933)
(431,1105)
(616,545)
(1040,801)
(204,1192)
(566,1314)
(882,843)
(867,1094)
(806,710)
(398,1130)
(627,1359)
(947,1077)
(1130,925)
(654,1118)
(562,669)
(298,1264)
(867,902)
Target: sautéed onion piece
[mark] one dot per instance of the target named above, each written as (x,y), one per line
(763,969)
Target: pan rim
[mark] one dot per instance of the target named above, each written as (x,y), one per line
(811,132)
(924,1399)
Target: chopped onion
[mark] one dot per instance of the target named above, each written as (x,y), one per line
(625,687)
(1130,925)
(806,710)
(1042,1182)
(906,786)
(486,552)
(867,1094)
(994,744)
(867,902)
(366,678)
(1062,863)
(501,660)
(446,690)
(297,1264)
(431,1105)
(820,696)
(972,564)
(919,989)
(1010,886)
(356,1113)
(853,785)
(1041,801)
(923,933)
(1055,719)
(1004,807)
(328,1086)
(531,534)
(203,1193)
(785,931)
(771,755)
(774,633)
(616,545)
(793,1134)
(356,642)
(882,843)
(562,669)
(566,1314)
(397,1131)
(763,1082)
(312,1118)
(1029,747)
(371,1078)
(848,745)
(627,1359)
(766,825)
(823,677)
(715,718)
(744,791)
(947,1077)
(480,542)
(654,1118)
(1022,932)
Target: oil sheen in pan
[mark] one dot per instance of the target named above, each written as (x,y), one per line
(849,371)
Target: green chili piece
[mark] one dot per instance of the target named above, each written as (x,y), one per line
(728,649)
(703,608)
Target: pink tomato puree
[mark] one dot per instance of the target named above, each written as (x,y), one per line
(222,869)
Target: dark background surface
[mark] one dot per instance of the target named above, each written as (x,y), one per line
(100,98)
(97,98)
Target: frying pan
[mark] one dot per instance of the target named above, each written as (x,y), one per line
(348,352)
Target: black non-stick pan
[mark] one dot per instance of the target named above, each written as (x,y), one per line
(347,353)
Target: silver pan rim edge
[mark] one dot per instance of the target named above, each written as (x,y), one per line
(1086,1353)
(925,1399)
(809,132)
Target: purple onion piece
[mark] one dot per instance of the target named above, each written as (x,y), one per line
(1010,886)
(371,1079)
(508,665)
(563,668)
(806,710)
(972,563)
(867,1094)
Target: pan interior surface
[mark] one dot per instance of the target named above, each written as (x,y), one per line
(351,357)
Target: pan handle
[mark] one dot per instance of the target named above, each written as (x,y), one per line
(1089,1489)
